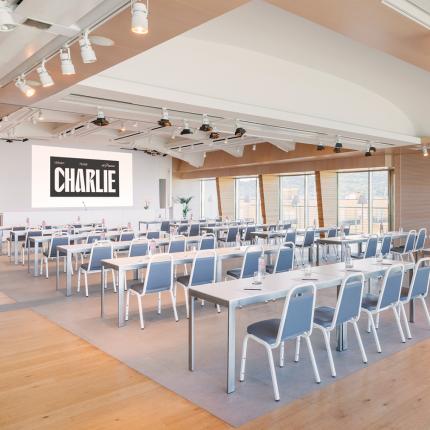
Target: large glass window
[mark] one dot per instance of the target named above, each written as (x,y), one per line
(209,199)
(298,200)
(363,200)
(247,199)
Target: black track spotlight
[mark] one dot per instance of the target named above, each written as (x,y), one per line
(164,121)
(186,129)
(320,147)
(240,131)
(372,148)
(214,135)
(338,147)
(101,120)
(205,124)
(368,152)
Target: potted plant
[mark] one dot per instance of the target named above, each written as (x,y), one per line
(146,205)
(185,201)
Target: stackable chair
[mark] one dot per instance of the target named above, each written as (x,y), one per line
(248,238)
(202,272)
(308,242)
(9,239)
(183,228)
(249,264)
(284,261)
(100,250)
(26,246)
(230,236)
(51,252)
(165,226)
(388,298)
(386,245)
(153,235)
(91,238)
(331,233)
(347,310)
(418,290)
(290,236)
(421,240)
(138,248)
(296,321)
(177,244)
(194,230)
(371,248)
(158,279)
(207,241)
(126,235)
(408,248)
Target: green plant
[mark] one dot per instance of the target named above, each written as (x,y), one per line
(185,201)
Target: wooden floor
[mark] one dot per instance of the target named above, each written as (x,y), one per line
(51,379)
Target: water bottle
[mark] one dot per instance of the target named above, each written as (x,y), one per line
(152,247)
(238,239)
(348,259)
(261,265)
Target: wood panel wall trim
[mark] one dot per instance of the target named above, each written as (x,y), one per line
(218,195)
(262,199)
(319,199)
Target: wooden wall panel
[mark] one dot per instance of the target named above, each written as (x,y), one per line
(329,197)
(226,188)
(271,197)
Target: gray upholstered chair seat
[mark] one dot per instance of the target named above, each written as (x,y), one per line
(358,256)
(270,268)
(84,266)
(266,330)
(398,249)
(61,253)
(324,316)
(138,287)
(369,301)
(235,273)
(184,280)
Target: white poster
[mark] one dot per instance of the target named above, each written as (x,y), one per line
(70,177)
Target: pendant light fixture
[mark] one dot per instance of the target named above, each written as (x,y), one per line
(44,77)
(87,52)
(205,124)
(139,17)
(22,85)
(67,67)
(164,121)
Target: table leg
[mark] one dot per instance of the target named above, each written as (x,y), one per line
(69,273)
(36,258)
(341,333)
(57,276)
(1,242)
(15,248)
(121,319)
(219,269)
(191,335)
(318,254)
(102,292)
(231,350)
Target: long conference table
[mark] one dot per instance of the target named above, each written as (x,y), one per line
(122,265)
(234,294)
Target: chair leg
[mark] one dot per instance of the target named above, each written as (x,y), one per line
(86,283)
(360,342)
(375,335)
(281,354)
(426,311)
(405,321)
(219,309)
(46,266)
(174,306)
(399,325)
(159,304)
(139,302)
(113,280)
(186,301)
(243,362)
(369,324)
(377,320)
(273,373)
(326,336)
(41,267)
(127,305)
(312,357)
(79,280)
(297,352)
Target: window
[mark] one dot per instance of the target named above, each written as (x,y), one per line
(209,199)
(363,200)
(247,199)
(298,200)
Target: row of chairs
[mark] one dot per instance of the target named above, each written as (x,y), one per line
(299,316)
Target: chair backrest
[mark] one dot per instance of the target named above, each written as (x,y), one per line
(285,226)
(55,242)
(272,227)
(332,232)
(391,287)
(207,241)
(159,274)
(231,234)
(184,221)
(31,233)
(421,279)
(138,248)
(248,236)
(346,230)
(92,237)
(410,242)
(298,312)
(372,246)
(183,228)
(153,235)
(126,235)
(285,258)
(309,238)
(250,261)
(290,236)
(20,228)
(177,244)
(386,245)
(100,250)
(204,268)
(165,226)
(421,239)
(348,305)
(194,230)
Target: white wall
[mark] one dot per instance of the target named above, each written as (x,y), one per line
(15,186)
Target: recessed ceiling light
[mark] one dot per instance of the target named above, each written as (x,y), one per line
(139,17)
(101,41)
(7,22)
(67,67)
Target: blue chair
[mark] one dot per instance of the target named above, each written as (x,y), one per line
(285,226)
(158,279)
(331,233)
(418,290)
(346,230)
(138,248)
(284,259)
(386,245)
(91,238)
(194,230)
(177,244)
(308,242)
(347,310)
(26,245)
(249,264)
(408,248)
(153,235)
(202,272)
(126,236)
(421,240)
(230,237)
(371,248)
(207,241)
(183,228)
(9,238)
(249,237)
(100,250)
(165,226)
(51,252)
(388,298)
(296,321)
(290,236)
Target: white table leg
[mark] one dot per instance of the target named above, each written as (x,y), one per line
(15,247)
(231,350)
(57,275)
(36,258)
(69,273)
(121,291)
(191,334)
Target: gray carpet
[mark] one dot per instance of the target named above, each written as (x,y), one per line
(160,351)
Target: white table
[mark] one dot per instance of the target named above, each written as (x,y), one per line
(122,265)
(233,294)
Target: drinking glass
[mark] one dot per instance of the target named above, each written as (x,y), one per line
(307,271)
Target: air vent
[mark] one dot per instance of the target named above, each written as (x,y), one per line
(37,24)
